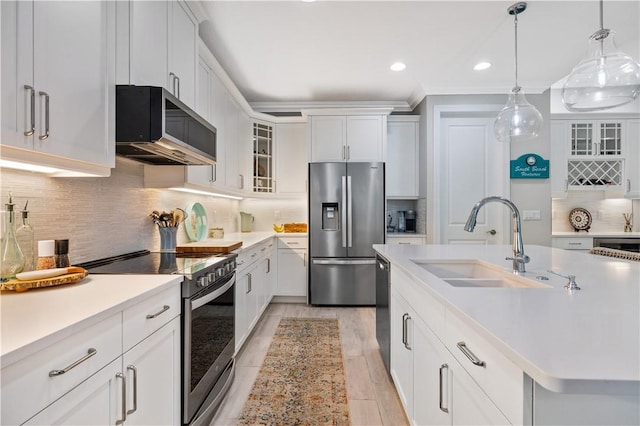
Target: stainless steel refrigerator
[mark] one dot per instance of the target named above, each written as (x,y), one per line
(346,217)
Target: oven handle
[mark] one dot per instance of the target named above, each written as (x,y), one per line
(195,304)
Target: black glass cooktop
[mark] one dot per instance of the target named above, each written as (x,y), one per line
(146,262)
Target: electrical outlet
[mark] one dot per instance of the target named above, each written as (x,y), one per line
(531,214)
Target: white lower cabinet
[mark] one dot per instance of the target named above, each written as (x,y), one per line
(254,288)
(435,389)
(86,379)
(292,266)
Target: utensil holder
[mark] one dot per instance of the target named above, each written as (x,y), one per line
(168,238)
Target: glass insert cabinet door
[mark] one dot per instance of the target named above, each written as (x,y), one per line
(263,177)
(596,139)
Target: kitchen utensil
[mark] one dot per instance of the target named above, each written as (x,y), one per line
(196,225)
(43,273)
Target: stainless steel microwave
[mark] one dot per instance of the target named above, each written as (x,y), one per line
(155,127)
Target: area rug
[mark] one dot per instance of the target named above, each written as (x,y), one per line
(302,379)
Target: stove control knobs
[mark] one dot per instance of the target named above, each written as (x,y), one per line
(203,281)
(211,276)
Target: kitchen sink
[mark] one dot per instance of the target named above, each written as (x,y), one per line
(475,273)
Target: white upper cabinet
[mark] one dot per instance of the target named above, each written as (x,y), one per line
(291,161)
(351,138)
(595,155)
(402,157)
(162,47)
(58,75)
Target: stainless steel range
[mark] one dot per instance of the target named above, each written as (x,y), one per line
(208,321)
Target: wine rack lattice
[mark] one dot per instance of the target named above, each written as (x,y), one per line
(595,172)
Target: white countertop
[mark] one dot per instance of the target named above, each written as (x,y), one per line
(597,234)
(588,340)
(37,318)
(250,239)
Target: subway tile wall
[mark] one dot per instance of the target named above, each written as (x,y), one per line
(104,216)
(606,213)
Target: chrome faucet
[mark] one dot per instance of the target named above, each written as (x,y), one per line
(519,258)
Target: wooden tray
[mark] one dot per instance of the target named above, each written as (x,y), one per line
(209,247)
(23,285)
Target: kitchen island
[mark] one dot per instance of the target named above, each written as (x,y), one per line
(550,355)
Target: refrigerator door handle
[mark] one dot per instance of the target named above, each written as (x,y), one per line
(344,262)
(349,215)
(344,211)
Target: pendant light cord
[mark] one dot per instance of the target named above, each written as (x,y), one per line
(601,15)
(515,15)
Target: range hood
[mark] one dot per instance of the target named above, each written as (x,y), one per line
(155,127)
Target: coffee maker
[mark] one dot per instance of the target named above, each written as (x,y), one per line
(410,221)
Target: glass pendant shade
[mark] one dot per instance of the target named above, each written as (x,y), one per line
(605,79)
(518,120)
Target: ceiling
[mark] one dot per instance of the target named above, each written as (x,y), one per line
(284,53)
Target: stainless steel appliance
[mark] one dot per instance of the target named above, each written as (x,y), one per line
(208,321)
(155,127)
(619,243)
(383,318)
(410,221)
(346,217)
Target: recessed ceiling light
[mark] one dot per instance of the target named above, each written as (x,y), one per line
(482,66)
(398,66)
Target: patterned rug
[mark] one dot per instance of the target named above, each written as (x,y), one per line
(302,380)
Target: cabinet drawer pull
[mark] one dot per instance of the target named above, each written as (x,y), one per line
(405,330)
(124,399)
(91,352)
(442,408)
(46,116)
(472,357)
(164,308)
(32,122)
(135,389)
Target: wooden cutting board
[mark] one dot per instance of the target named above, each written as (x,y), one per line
(76,275)
(209,247)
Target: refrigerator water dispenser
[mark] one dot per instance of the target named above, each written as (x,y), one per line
(330,217)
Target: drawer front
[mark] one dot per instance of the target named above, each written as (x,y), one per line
(426,306)
(27,386)
(573,243)
(141,320)
(293,242)
(500,379)
(405,240)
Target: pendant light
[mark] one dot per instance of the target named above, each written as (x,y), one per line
(605,79)
(518,120)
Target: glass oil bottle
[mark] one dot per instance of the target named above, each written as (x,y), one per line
(12,260)
(26,240)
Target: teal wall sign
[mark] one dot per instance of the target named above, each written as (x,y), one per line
(530,166)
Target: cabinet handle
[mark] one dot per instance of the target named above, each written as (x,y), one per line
(172,76)
(46,116)
(344,148)
(91,352)
(214,173)
(124,399)
(442,408)
(348,152)
(472,357)
(263,249)
(135,389)
(248,283)
(404,243)
(178,92)
(566,184)
(405,330)
(628,185)
(290,243)
(304,259)
(32,123)
(241,182)
(268,265)
(164,308)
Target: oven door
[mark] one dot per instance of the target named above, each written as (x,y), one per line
(208,342)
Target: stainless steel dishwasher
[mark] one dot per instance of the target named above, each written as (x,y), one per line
(383,318)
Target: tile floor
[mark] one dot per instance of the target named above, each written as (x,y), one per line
(372,397)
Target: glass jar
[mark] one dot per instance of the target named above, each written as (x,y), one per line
(12,257)
(46,254)
(62,254)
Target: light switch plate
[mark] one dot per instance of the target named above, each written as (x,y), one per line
(531,214)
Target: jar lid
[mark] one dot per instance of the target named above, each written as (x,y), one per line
(62,246)
(46,248)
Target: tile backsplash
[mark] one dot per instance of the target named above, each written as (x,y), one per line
(104,216)
(606,213)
